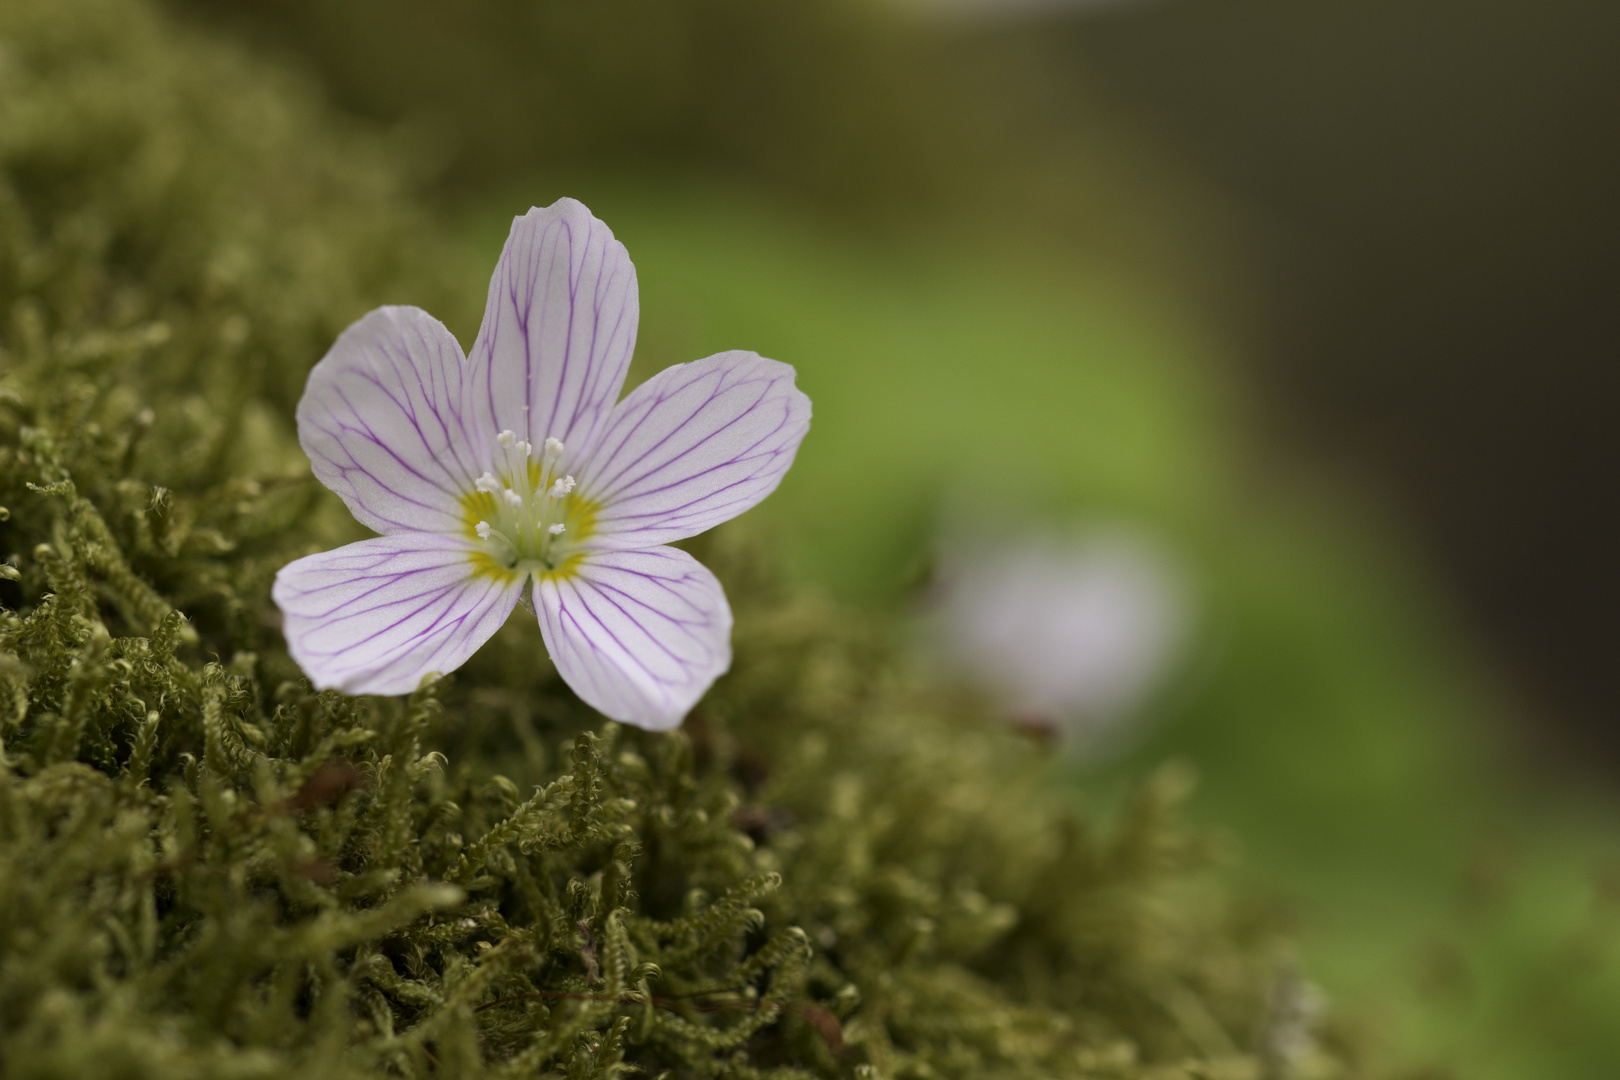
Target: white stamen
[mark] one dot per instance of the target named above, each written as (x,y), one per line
(524,515)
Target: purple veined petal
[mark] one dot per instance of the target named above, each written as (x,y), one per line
(383,422)
(695,445)
(638,635)
(377,616)
(558,330)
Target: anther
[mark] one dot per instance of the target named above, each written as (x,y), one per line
(522,447)
(553,445)
(487,483)
(513,499)
(557,529)
(506,438)
(482,529)
(563,486)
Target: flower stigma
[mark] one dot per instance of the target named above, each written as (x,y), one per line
(523,514)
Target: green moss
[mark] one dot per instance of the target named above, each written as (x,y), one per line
(209,870)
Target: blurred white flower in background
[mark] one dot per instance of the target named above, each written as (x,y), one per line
(1070,633)
(1011,10)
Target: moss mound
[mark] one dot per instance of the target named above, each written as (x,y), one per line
(208,870)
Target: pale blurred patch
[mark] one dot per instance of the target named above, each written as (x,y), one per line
(1069,631)
(1008,10)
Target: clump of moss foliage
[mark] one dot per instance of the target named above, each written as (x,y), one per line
(209,870)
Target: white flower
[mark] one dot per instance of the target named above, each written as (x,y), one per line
(1073,630)
(437,453)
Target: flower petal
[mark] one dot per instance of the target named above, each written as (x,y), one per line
(695,445)
(383,423)
(638,635)
(558,329)
(377,616)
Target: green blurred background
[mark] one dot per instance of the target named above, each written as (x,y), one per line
(1320,296)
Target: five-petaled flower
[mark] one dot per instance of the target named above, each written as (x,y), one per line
(519,464)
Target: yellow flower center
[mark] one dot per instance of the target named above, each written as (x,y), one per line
(527,519)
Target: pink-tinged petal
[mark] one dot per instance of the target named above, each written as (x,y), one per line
(638,635)
(378,616)
(383,423)
(558,330)
(695,445)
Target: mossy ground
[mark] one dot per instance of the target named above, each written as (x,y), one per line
(207,869)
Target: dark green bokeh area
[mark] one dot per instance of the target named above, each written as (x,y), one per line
(998,298)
